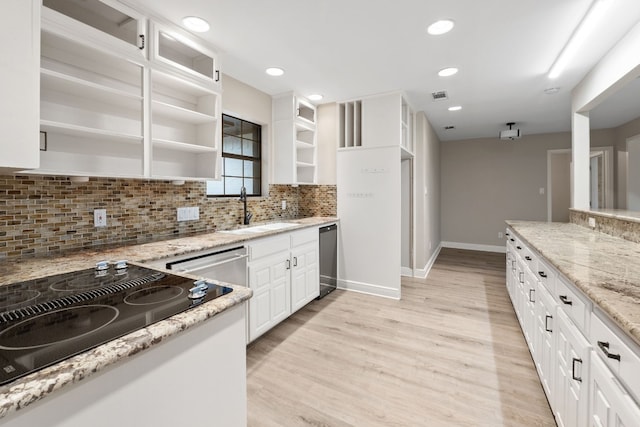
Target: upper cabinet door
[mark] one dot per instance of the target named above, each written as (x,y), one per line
(124,27)
(173,47)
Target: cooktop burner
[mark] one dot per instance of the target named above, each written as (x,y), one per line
(45,320)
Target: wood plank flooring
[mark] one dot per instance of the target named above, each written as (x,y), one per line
(449,353)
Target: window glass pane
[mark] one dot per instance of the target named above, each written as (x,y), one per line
(232,185)
(250,131)
(231,126)
(232,167)
(250,148)
(253,186)
(231,145)
(215,187)
(251,169)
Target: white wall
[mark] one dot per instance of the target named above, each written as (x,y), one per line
(327,132)
(427,195)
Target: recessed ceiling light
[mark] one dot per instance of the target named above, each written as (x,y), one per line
(551,90)
(274,71)
(455,108)
(440,27)
(446,72)
(196,24)
(315,97)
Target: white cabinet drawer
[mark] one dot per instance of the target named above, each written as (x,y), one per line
(574,304)
(622,358)
(546,275)
(268,246)
(304,236)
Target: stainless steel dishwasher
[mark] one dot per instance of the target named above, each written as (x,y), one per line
(328,259)
(226,265)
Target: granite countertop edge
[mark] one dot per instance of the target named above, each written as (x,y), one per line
(609,278)
(34,387)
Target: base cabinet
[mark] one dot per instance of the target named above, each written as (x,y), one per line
(284,276)
(610,404)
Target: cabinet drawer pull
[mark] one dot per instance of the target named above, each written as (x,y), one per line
(507,234)
(604,346)
(217,75)
(141,42)
(565,300)
(542,274)
(513,240)
(546,323)
(573,369)
(519,248)
(288,264)
(528,258)
(531,298)
(295,261)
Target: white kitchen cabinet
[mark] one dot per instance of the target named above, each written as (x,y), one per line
(108,110)
(610,405)
(294,138)
(545,340)
(284,276)
(571,379)
(377,121)
(20,84)
(305,272)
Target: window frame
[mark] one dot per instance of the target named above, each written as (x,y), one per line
(257,159)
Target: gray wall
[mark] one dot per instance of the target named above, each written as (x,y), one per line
(486,181)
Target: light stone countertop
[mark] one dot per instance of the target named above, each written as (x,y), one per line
(605,268)
(33,387)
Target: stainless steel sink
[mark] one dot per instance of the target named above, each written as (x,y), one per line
(261,228)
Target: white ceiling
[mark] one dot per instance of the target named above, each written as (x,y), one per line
(346,49)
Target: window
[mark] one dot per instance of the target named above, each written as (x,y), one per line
(241,164)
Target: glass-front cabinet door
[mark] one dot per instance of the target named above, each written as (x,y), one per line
(176,49)
(125,26)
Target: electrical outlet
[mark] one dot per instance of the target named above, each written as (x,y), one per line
(592,222)
(499,234)
(541,191)
(100,217)
(188,213)
(284,204)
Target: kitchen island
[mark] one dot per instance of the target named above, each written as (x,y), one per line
(195,370)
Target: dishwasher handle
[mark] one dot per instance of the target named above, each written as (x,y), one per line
(215,264)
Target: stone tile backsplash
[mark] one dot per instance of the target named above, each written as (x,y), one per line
(46,214)
(628,229)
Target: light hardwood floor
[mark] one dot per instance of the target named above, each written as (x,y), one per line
(449,353)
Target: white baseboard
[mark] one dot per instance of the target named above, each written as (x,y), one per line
(406,271)
(369,289)
(474,247)
(422,273)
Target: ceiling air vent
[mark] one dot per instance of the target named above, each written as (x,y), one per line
(439,96)
(449,127)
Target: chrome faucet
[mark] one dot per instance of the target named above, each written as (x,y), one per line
(243,198)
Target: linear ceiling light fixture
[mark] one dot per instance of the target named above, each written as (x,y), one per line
(584,28)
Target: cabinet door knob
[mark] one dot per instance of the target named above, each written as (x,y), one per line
(565,300)
(546,323)
(573,369)
(141,42)
(604,346)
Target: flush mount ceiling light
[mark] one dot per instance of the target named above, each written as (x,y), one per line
(196,24)
(274,71)
(455,108)
(315,97)
(446,72)
(584,28)
(440,27)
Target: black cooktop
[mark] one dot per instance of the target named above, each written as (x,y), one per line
(46,320)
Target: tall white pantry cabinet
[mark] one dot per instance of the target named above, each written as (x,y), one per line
(121,93)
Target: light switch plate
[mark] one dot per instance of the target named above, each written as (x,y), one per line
(100,217)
